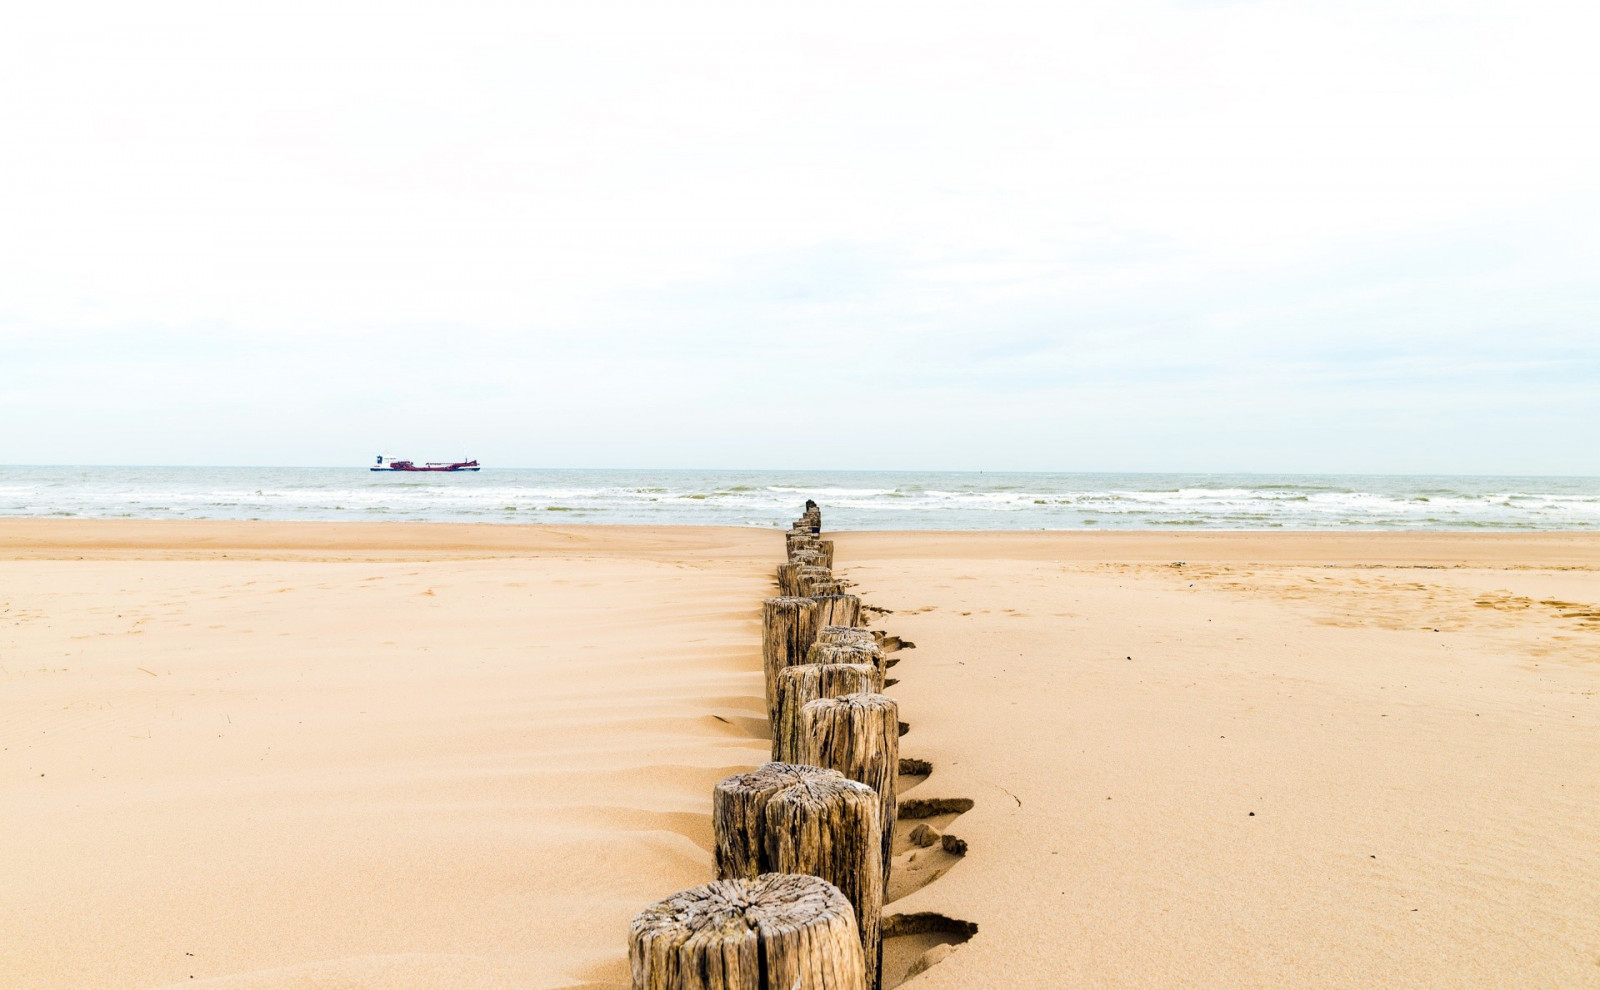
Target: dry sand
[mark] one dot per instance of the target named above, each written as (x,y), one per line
(363,756)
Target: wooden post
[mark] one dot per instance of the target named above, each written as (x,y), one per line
(813,582)
(788,574)
(847,634)
(805,555)
(784,818)
(807,682)
(836,610)
(859,736)
(775,932)
(804,572)
(856,652)
(797,542)
(788,626)
(812,544)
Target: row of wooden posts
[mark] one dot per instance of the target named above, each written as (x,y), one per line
(803,844)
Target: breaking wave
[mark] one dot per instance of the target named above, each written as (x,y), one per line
(854,500)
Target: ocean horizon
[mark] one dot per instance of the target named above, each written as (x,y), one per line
(852,500)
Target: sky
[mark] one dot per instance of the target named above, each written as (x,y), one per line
(1125,236)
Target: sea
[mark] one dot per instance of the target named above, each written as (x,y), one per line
(851,500)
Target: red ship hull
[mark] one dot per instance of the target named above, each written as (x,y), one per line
(395,465)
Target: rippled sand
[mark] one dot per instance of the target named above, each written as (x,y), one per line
(315,755)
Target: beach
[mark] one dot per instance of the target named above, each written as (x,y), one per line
(275,755)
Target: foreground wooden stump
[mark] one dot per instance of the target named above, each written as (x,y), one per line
(868,652)
(859,736)
(774,932)
(807,682)
(835,610)
(784,818)
(788,626)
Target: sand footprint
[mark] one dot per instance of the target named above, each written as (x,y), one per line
(924,850)
(924,847)
(914,943)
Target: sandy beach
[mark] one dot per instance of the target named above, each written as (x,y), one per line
(301,755)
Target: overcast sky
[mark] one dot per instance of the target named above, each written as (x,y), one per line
(1066,236)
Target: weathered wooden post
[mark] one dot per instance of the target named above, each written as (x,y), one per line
(788,626)
(808,541)
(851,652)
(784,818)
(789,574)
(804,570)
(859,736)
(806,682)
(777,931)
(847,634)
(814,582)
(807,556)
(836,610)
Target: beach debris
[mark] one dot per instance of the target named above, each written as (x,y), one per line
(925,835)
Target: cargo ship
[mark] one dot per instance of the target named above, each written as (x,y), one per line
(396,464)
